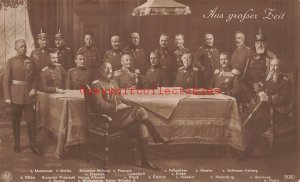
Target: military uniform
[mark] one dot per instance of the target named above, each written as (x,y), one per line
(125,78)
(206,59)
(92,59)
(52,77)
(40,57)
(187,77)
(168,65)
(77,77)
(178,54)
(239,57)
(228,80)
(154,78)
(65,57)
(139,58)
(114,58)
(19,78)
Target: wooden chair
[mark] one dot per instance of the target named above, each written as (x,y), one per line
(100,138)
(286,129)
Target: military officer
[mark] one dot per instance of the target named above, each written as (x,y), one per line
(126,77)
(276,95)
(180,49)
(19,91)
(41,55)
(187,75)
(137,54)
(226,79)
(154,75)
(64,53)
(114,56)
(79,76)
(166,60)
(206,59)
(131,118)
(52,76)
(241,54)
(91,54)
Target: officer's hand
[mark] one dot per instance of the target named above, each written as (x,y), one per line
(7,101)
(255,87)
(58,90)
(32,92)
(263,97)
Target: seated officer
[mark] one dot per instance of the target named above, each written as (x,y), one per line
(132,118)
(79,76)
(276,95)
(226,79)
(52,76)
(187,75)
(154,76)
(126,77)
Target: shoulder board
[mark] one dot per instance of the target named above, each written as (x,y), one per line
(195,69)
(68,48)
(45,68)
(117,73)
(57,64)
(247,47)
(217,71)
(285,78)
(181,68)
(235,71)
(95,81)
(201,47)
(72,69)
(271,55)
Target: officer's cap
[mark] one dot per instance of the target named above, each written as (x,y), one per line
(59,35)
(42,35)
(260,36)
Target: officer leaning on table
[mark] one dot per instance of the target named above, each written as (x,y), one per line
(19,91)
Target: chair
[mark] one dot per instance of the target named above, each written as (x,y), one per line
(100,138)
(285,131)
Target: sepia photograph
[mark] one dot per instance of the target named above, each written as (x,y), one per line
(149,90)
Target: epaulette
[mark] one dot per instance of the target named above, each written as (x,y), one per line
(95,81)
(195,69)
(72,69)
(247,47)
(285,78)
(217,71)
(68,48)
(108,52)
(117,73)
(235,71)
(45,68)
(181,68)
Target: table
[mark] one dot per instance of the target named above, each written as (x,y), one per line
(194,120)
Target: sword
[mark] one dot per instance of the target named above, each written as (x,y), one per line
(253,112)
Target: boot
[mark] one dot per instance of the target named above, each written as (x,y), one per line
(144,145)
(31,131)
(16,131)
(157,138)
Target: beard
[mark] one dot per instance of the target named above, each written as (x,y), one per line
(260,50)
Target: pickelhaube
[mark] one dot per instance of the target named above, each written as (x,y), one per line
(260,36)
(42,35)
(59,35)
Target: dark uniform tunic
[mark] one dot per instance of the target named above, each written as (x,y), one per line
(228,81)
(125,78)
(77,77)
(178,54)
(154,78)
(187,77)
(40,57)
(52,77)
(18,80)
(139,58)
(206,59)
(65,57)
(239,57)
(114,58)
(92,58)
(168,65)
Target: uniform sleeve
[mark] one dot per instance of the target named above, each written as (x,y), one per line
(176,83)
(105,57)
(44,86)
(69,81)
(102,105)
(236,88)
(64,76)
(198,61)
(196,80)
(7,80)
(35,76)
(282,97)
(70,57)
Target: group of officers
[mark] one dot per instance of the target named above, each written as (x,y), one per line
(252,77)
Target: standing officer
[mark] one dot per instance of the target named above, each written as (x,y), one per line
(91,54)
(64,53)
(127,77)
(137,54)
(19,91)
(241,54)
(227,79)
(53,76)
(187,75)
(79,76)
(154,76)
(180,49)
(206,59)
(40,55)
(114,56)
(166,60)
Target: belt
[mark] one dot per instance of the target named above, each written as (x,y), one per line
(18,82)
